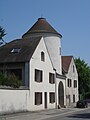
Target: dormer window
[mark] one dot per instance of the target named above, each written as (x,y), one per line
(15,50)
(42,56)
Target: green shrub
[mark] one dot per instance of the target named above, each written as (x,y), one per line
(13,81)
(2,78)
(10,80)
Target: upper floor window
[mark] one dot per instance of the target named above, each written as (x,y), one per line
(38,75)
(42,56)
(69,83)
(51,78)
(75,83)
(73,68)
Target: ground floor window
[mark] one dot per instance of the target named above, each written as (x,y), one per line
(52,97)
(73,98)
(38,98)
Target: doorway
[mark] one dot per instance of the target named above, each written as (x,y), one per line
(61,94)
(45,100)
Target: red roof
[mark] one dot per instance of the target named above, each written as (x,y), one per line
(66,60)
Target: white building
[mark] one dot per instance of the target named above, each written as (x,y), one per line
(36,59)
(71,74)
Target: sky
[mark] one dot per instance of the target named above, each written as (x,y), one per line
(71,18)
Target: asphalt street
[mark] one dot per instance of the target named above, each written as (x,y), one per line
(80,115)
(53,114)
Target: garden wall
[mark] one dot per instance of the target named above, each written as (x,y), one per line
(13,100)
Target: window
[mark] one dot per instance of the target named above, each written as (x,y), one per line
(73,98)
(15,50)
(60,51)
(42,56)
(75,83)
(51,78)
(52,97)
(38,75)
(73,68)
(38,98)
(69,83)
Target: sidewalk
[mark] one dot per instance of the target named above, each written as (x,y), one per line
(39,115)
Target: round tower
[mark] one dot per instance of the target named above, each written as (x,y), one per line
(52,40)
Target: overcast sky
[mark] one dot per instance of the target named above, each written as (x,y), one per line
(71,18)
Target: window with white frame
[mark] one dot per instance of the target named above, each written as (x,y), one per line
(73,98)
(69,82)
(51,78)
(75,83)
(38,75)
(52,97)
(38,98)
(42,56)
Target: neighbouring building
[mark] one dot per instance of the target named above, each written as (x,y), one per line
(48,79)
(70,71)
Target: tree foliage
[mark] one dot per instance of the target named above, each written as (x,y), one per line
(83,75)
(2,34)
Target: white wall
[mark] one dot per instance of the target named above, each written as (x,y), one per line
(53,44)
(13,100)
(43,86)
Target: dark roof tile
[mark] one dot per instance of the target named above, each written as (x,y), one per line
(26,46)
(41,26)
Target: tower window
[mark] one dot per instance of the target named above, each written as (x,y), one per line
(42,56)
(60,51)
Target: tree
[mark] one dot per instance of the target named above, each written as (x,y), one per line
(83,75)
(2,34)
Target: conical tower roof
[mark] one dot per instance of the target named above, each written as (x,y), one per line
(41,26)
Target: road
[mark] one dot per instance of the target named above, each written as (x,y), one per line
(54,114)
(80,115)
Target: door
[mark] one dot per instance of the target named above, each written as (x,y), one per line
(45,99)
(61,94)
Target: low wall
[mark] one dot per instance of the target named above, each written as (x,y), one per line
(13,101)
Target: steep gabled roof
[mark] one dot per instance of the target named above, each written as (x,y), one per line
(26,49)
(41,26)
(66,60)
